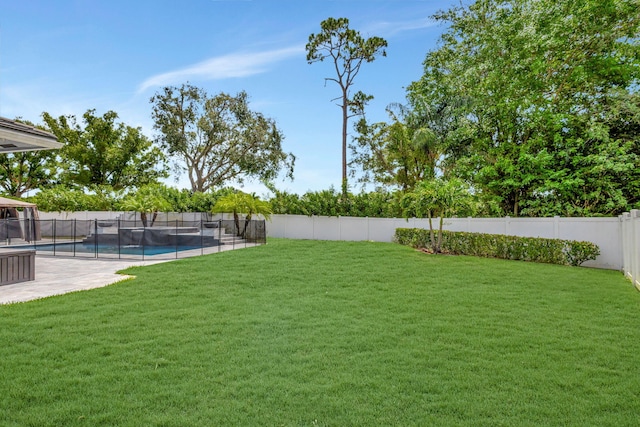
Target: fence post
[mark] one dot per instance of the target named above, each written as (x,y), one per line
(95,232)
(36,226)
(633,248)
(54,236)
(75,233)
(368,229)
(625,241)
(118,231)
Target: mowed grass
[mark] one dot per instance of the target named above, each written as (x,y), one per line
(307,333)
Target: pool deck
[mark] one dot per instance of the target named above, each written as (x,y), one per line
(60,275)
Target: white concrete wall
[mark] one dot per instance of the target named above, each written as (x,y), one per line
(604,232)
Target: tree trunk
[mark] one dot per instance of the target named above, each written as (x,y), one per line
(143,218)
(247,220)
(432,237)
(236,220)
(345,120)
(439,244)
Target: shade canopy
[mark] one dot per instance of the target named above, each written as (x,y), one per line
(11,203)
(16,136)
(11,228)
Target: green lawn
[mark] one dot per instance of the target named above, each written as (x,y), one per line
(304,333)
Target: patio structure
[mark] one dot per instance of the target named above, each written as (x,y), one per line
(27,229)
(19,266)
(15,137)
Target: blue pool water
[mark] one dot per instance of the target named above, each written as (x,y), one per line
(110,249)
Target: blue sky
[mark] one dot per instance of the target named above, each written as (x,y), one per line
(67,56)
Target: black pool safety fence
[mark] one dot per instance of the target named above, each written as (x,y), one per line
(130,239)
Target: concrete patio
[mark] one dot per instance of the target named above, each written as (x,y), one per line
(61,275)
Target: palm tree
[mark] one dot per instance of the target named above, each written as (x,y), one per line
(439,198)
(242,203)
(146,204)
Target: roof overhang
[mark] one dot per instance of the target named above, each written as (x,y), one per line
(12,203)
(15,136)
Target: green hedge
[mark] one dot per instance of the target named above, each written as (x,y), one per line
(552,251)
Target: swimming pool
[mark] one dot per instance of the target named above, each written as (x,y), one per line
(110,249)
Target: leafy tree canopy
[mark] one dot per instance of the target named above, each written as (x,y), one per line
(27,170)
(238,203)
(103,152)
(217,139)
(409,149)
(438,198)
(64,199)
(544,85)
(148,199)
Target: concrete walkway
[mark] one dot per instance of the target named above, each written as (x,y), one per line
(60,275)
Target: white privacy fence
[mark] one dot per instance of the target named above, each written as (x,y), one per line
(128,216)
(604,232)
(618,238)
(630,226)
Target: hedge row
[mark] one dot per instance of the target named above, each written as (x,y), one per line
(552,251)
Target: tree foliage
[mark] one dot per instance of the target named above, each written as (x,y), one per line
(438,198)
(348,50)
(24,171)
(240,203)
(407,150)
(217,139)
(550,103)
(103,152)
(27,170)
(103,198)
(147,200)
(375,204)
(64,199)
(184,200)
(534,249)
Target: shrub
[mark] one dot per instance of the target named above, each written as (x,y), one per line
(104,198)
(536,249)
(376,204)
(579,252)
(63,199)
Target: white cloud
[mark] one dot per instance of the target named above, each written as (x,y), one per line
(223,67)
(387,28)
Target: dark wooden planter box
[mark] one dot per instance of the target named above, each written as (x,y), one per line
(17,266)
